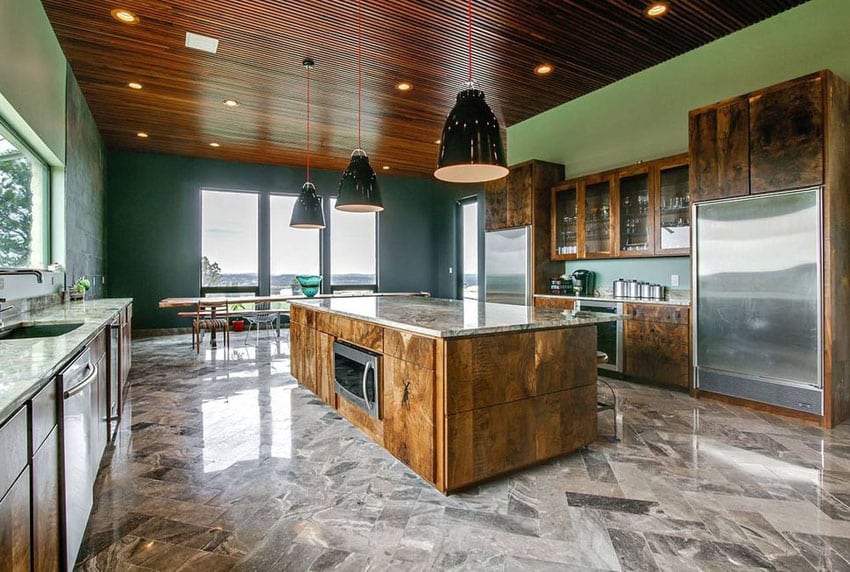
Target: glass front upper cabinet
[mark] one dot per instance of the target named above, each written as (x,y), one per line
(674,207)
(635,215)
(597,219)
(565,223)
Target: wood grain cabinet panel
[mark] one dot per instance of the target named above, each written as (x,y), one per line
(302,345)
(43,414)
(657,344)
(555,303)
(719,151)
(325,368)
(496,205)
(13,449)
(787,136)
(520,195)
(355,332)
(410,347)
(409,415)
(15,538)
(45,505)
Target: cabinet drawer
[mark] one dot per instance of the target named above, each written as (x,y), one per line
(410,347)
(15,537)
(353,331)
(43,413)
(13,449)
(658,313)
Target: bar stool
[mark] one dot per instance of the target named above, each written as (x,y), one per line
(602,357)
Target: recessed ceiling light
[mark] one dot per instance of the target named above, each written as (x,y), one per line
(404,86)
(142,135)
(124,16)
(231,103)
(134,85)
(214,144)
(543,69)
(386,167)
(438,141)
(656,9)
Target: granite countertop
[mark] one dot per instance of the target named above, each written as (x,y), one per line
(604,298)
(442,318)
(27,365)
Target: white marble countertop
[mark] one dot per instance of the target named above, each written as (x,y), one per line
(442,318)
(27,365)
(674,302)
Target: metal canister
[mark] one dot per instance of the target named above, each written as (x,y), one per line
(645,290)
(633,290)
(620,288)
(656,292)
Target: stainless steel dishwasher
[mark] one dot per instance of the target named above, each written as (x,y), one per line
(77,445)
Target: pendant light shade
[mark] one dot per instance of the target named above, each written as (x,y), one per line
(307,212)
(471,148)
(358,188)
(471,145)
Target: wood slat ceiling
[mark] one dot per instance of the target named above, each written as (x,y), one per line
(591,43)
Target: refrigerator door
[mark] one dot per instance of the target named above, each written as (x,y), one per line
(507,264)
(758,299)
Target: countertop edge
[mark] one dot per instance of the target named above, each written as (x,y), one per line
(21,399)
(451,334)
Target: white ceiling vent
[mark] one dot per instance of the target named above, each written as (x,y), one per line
(203,43)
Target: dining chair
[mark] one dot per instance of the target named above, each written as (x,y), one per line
(207,318)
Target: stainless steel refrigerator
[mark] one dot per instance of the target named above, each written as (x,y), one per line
(507,266)
(758,331)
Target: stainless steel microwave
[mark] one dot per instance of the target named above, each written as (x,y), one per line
(356,377)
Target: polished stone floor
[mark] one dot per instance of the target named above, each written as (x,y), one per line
(223,462)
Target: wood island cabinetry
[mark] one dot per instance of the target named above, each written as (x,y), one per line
(460,410)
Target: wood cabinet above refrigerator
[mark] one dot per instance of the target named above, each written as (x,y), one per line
(766,141)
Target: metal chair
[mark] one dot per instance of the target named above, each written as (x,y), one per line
(262,316)
(602,357)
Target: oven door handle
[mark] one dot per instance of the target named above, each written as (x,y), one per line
(365,393)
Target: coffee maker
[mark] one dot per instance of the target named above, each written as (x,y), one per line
(584,282)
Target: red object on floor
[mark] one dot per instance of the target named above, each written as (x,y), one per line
(238,325)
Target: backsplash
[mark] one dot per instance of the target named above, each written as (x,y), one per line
(27,286)
(653,270)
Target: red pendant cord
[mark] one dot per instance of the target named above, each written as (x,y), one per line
(308,124)
(470,41)
(359,66)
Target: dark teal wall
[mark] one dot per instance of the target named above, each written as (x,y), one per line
(153,226)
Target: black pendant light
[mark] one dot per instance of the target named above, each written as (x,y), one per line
(471,148)
(358,187)
(307,212)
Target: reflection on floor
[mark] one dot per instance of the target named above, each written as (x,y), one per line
(224,461)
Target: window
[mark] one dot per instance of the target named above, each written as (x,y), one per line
(292,251)
(354,258)
(468,248)
(230,239)
(24,210)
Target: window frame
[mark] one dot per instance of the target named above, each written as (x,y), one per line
(323,236)
(260,229)
(47,191)
(331,287)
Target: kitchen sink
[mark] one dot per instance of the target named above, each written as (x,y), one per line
(39,331)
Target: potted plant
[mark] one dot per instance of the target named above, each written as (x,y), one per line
(238,323)
(79,289)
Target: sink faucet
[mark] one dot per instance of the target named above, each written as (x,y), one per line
(2,309)
(39,275)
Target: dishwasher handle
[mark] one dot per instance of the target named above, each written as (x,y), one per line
(92,369)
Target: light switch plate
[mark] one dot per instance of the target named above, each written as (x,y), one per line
(674,280)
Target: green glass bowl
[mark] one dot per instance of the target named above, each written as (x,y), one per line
(309,284)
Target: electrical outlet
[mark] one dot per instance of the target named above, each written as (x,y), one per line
(674,280)
(450,269)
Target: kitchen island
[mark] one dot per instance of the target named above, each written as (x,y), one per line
(466,390)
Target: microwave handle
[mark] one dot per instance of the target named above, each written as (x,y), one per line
(365,394)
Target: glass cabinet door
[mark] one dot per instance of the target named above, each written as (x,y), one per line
(635,236)
(565,223)
(597,218)
(674,211)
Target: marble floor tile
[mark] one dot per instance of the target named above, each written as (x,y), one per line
(222,461)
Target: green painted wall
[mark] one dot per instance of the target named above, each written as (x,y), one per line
(154,234)
(32,78)
(645,115)
(655,270)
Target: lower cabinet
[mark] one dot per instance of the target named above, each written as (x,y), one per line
(15,539)
(657,344)
(556,303)
(45,505)
(409,414)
